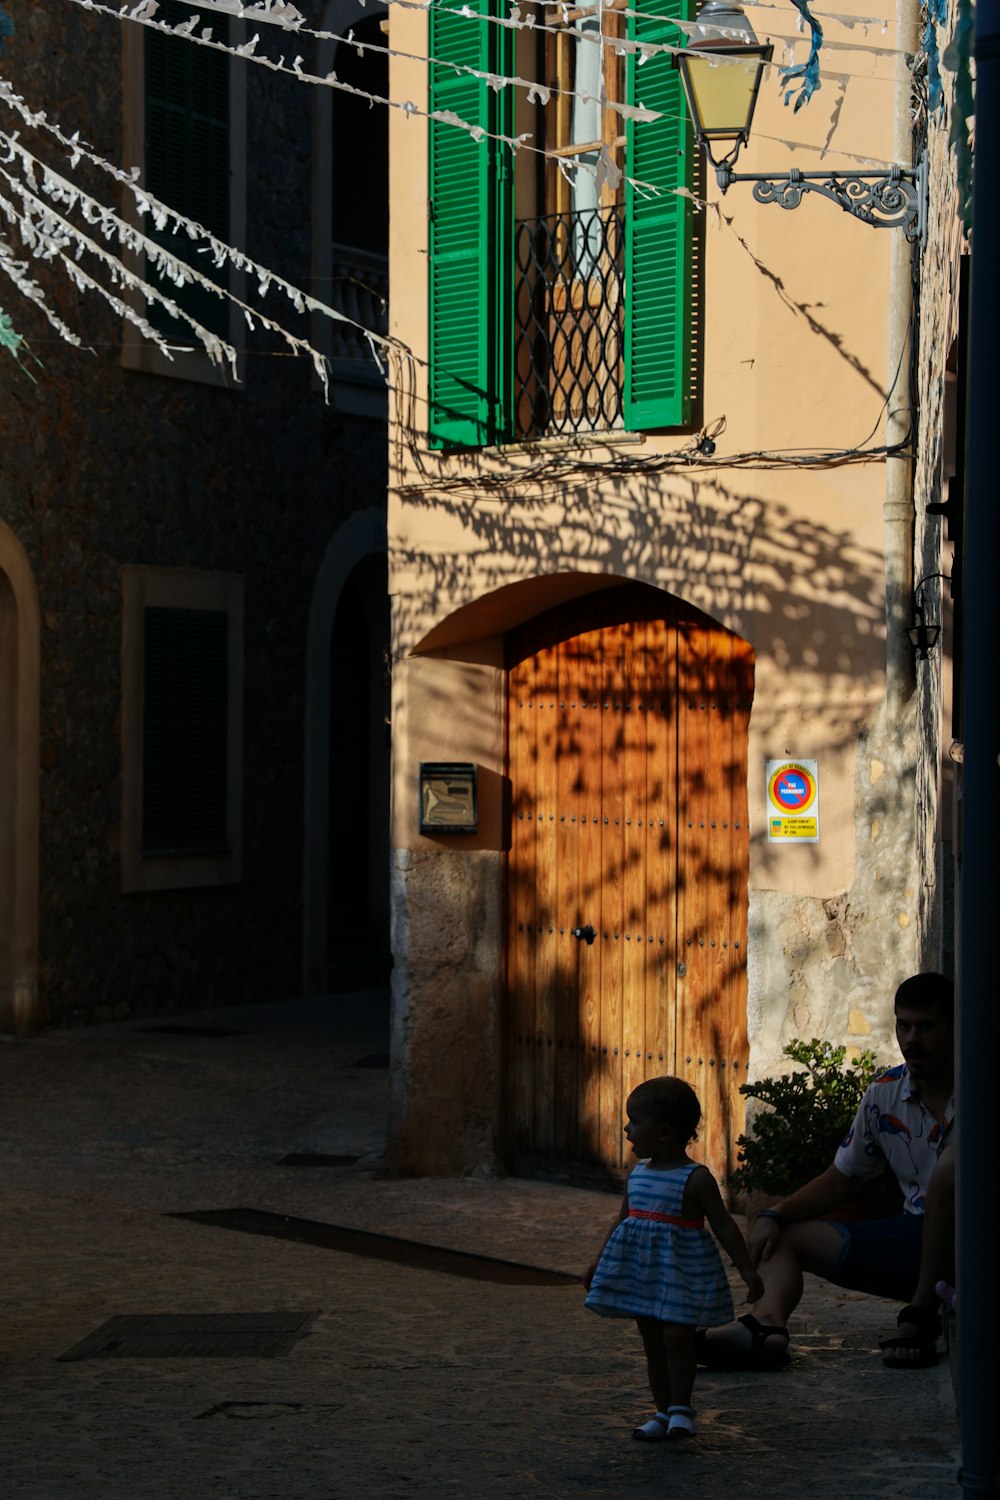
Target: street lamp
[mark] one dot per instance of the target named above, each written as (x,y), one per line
(924,633)
(721,70)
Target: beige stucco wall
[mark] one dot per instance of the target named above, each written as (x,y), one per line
(790,556)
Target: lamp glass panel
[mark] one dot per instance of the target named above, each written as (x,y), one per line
(722,92)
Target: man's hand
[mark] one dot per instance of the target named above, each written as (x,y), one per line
(762,1241)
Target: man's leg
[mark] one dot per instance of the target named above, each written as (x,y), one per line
(937,1257)
(815,1245)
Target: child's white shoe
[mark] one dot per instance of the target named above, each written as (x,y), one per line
(655,1430)
(680,1422)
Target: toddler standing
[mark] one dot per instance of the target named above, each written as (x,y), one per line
(658,1263)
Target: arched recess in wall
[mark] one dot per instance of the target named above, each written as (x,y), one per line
(626,861)
(345,886)
(350,200)
(20,1008)
(505,608)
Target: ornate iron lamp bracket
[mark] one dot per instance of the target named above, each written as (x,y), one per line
(895,199)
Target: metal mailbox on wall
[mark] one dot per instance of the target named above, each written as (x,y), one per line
(448,801)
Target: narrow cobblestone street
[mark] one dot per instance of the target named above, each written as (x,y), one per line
(410,1380)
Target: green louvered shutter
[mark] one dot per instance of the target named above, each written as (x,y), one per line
(658,230)
(471,336)
(187,156)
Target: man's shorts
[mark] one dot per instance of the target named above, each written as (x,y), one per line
(879,1256)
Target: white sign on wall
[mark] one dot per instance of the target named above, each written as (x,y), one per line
(793,802)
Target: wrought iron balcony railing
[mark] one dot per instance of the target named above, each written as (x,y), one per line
(360,290)
(569,311)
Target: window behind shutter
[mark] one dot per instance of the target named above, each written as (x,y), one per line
(184,737)
(471,334)
(187,156)
(658,231)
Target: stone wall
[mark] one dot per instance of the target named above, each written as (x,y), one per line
(444,1108)
(938,772)
(829,968)
(100,467)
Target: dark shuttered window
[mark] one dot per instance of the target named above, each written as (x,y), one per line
(185,728)
(471,229)
(187,134)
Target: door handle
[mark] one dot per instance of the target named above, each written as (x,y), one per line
(583,934)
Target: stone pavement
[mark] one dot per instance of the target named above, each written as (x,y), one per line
(411,1381)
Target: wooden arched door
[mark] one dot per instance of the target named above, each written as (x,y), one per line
(627,715)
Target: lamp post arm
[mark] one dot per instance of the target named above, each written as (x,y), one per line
(892,199)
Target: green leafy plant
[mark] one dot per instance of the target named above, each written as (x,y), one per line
(809,1112)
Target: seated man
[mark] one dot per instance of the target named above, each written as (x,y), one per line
(904,1122)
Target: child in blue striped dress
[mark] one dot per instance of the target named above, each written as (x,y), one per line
(659,1264)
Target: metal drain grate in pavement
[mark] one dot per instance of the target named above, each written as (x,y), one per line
(411,1253)
(194,1336)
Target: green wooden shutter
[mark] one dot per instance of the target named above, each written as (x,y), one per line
(658,231)
(187,156)
(184,730)
(471,245)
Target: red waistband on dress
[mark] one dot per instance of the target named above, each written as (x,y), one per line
(646,1213)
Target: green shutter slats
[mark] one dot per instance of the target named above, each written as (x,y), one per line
(658,231)
(184,731)
(470,333)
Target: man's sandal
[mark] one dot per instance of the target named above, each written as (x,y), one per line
(922,1344)
(718,1354)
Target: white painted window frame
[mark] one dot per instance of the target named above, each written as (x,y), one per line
(137,352)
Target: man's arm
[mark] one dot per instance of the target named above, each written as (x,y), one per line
(820,1196)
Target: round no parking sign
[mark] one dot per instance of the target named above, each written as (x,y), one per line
(792,801)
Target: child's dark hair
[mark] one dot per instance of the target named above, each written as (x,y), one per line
(669,1101)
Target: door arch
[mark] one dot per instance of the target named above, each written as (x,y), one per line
(20,1009)
(358,883)
(627,723)
(354,545)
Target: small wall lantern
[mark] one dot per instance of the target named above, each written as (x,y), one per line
(448,802)
(923,633)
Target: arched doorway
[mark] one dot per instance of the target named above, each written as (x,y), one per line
(349,620)
(627,721)
(358,913)
(20,1009)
